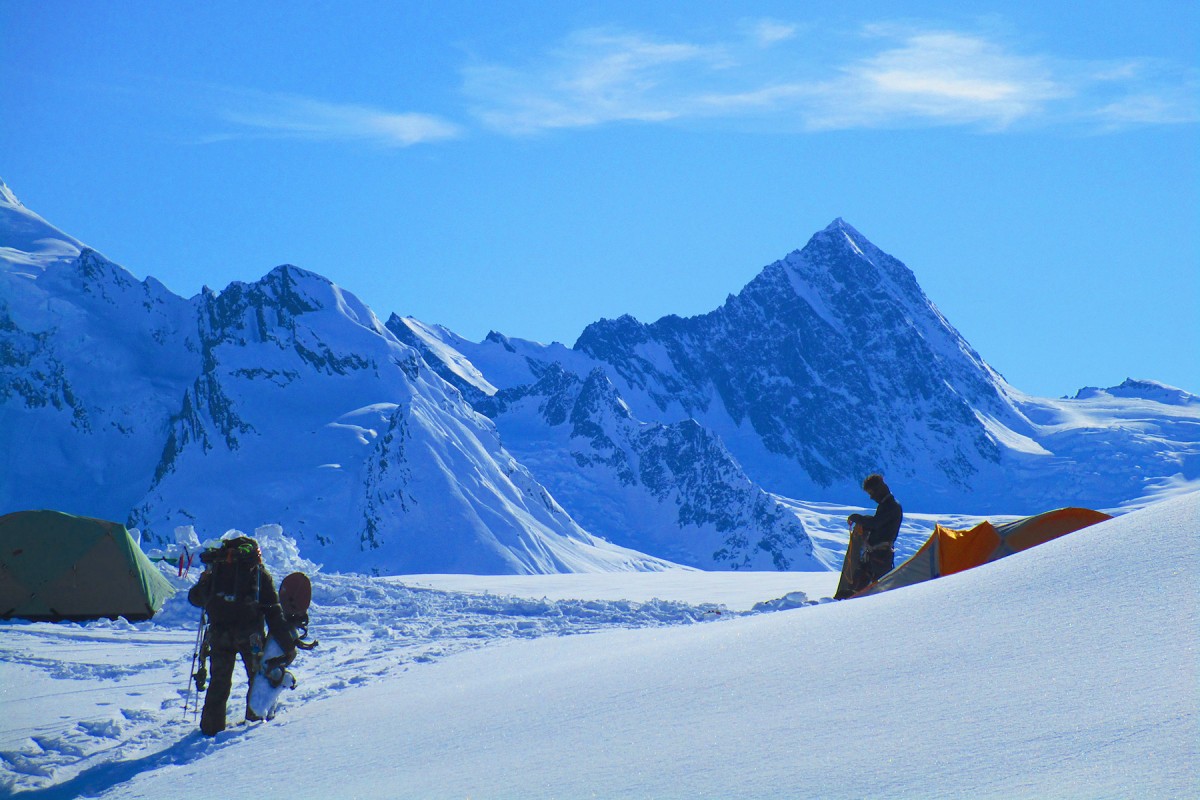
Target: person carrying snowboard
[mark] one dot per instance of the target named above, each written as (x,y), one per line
(238,595)
(881,529)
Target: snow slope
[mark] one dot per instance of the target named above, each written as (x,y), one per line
(1068,671)
(30,243)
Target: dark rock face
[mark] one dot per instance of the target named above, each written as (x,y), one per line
(669,489)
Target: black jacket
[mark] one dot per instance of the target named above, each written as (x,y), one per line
(884,526)
(247,615)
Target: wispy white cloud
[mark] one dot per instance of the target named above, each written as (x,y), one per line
(938,77)
(769,32)
(594,77)
(768,73)
(787,75)
(263,114)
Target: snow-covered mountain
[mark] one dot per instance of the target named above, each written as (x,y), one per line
(828,365)
(669,489)
(832,363)
(405,448)
(283,400)
(92,363)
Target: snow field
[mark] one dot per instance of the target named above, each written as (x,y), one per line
(1066,671)
(80,703)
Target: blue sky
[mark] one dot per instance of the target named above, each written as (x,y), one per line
(533,167)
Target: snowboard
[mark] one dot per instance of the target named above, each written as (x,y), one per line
(273,676)
(854,573)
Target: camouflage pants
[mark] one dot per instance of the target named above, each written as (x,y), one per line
(225,645)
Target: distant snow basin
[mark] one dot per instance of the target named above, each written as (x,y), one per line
(737,591)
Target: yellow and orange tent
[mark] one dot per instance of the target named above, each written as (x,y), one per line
(948,550)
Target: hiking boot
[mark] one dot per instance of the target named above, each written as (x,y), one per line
(210,725)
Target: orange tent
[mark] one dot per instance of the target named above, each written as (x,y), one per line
(949,551)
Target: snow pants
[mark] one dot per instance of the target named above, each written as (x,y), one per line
(225,645)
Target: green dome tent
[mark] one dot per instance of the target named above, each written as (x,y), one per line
(56,567)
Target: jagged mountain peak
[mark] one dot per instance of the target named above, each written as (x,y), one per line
(843,235)
(293,273)
(281,282)
(600,396)
(90,278)
(499,338)
(808,362)
(284,294)
(862,293)
(564,395)
(293,287)
(606,335)
(843,253)
(840,225)
(288,280)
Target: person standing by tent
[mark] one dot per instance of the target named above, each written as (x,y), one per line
(239,596)
(881,529)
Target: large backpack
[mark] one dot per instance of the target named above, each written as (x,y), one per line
(234,582)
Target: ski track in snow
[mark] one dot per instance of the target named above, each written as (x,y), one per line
(61,741)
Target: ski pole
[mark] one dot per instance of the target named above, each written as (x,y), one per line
(194,675)
(202,672)
(187,698)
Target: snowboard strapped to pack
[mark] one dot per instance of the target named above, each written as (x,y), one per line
(295,595)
